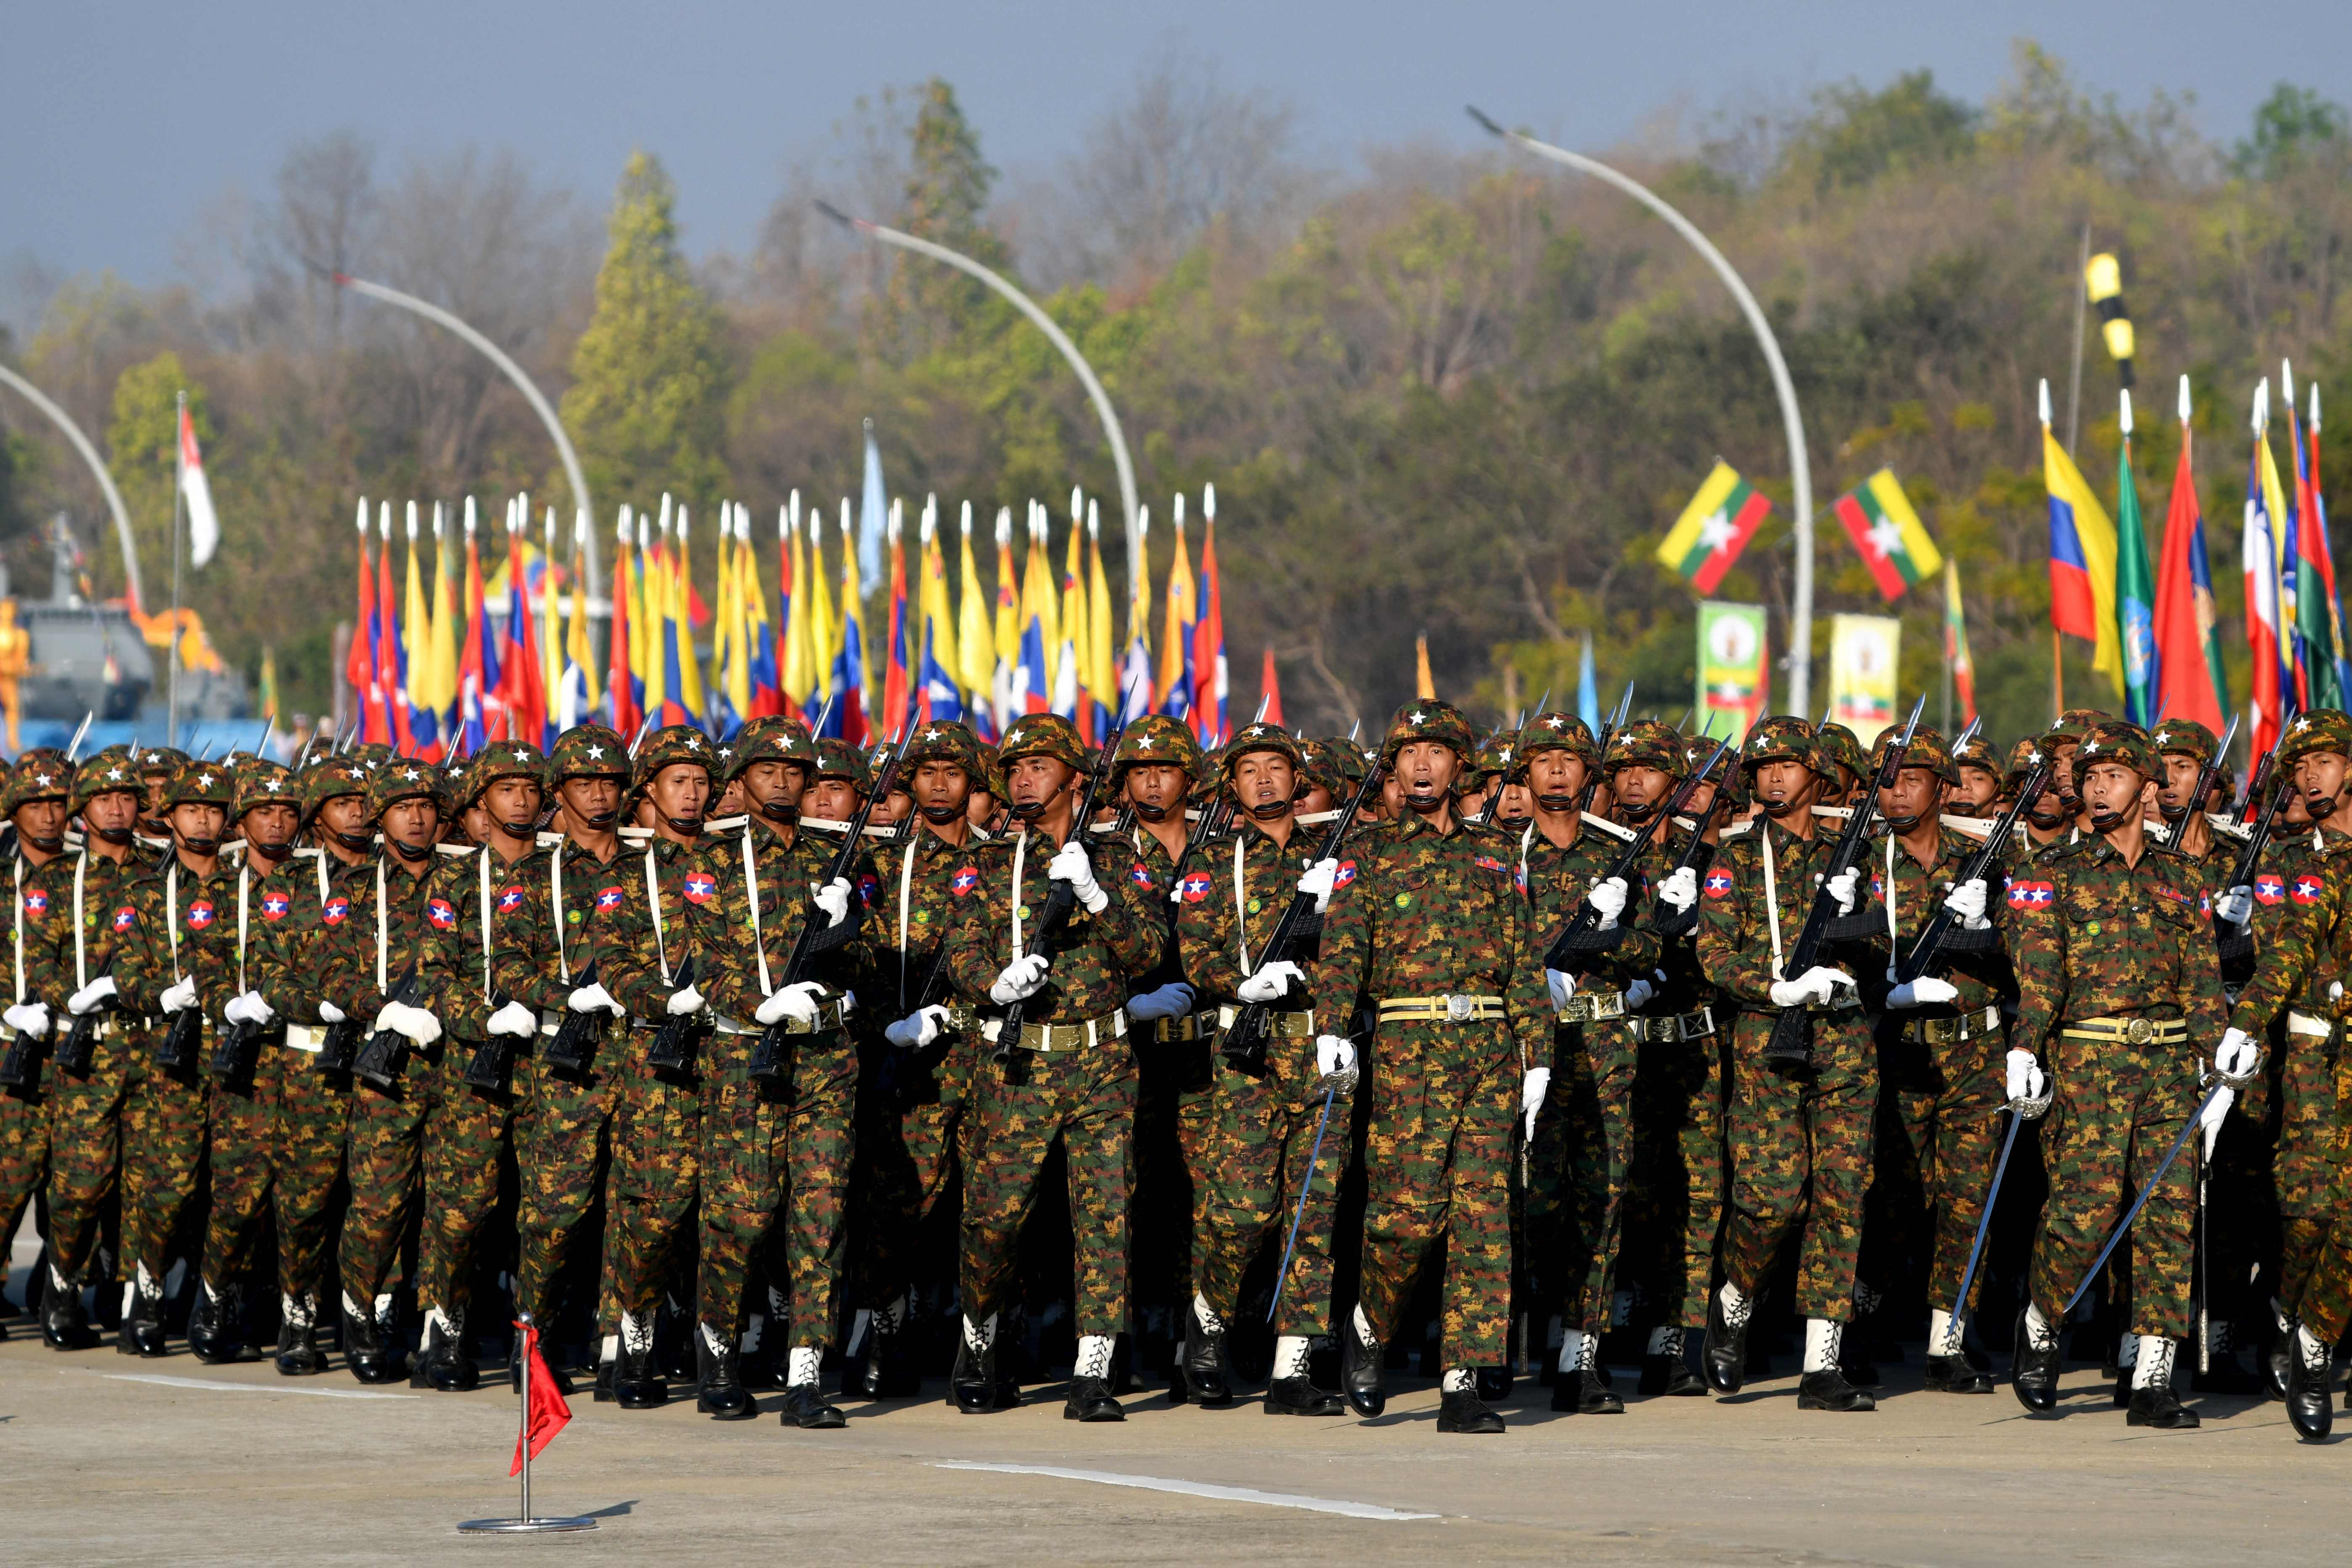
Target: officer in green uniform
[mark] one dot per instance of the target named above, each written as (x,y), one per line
(35,803)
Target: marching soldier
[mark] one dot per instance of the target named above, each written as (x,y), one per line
(35,802)
(1978,795)
(1433,929)
(1067,1074)
(2118,989)
(1799,1141)
(1272,1145)
(73,963)
(642,939)
(373,957)
(776,1145)
(302,904)
(467,1119)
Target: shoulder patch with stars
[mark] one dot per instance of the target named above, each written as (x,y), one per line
(200,914)
(966,878)
(275,906)
(125,918)
(442,913)
(700,887)
(1718,883)
(36,904)
(609,899)
(511,898)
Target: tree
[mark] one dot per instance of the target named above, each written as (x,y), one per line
(2288,124)
(648,384)
(928,305)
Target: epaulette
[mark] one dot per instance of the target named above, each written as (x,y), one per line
(1622,835)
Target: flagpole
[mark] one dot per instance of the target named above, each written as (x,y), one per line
(179,508)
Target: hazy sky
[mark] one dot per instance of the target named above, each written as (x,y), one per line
(121,124)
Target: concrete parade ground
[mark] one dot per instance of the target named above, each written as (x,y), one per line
(112,1459)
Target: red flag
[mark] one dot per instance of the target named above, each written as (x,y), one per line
(2180,630)
(620,679)
(359,666)
(391,679)
(1270,688)
(549,1413)
(1209,681)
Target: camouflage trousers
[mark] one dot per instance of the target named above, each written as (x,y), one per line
(1939,1132)
(657,1173)
(1674,1197)
(383,1157)
(2116,1111)
(314,1114)
(2325,1303)
(465,1133)
(2302,1166)
(1579,1166)
(910,1141)
(1256,1168)
(24,1160)
(164,1124)
(1437,1168)
(86,1152)
(563,1151)
(1084,1098)
(1800,1149)
(1175,1116)
(244,1121)
(766,1153)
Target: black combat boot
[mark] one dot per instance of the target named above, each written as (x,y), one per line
(446,1360)
(2276,1361)
(1724,1357)
(1578,1389)
(1202,1374)
(1363,1378)
(602,1393)
(63,1325)
(2033,1370)
(142,1333)
(367,1343)
(1664,1372)
(216,1325)
(2309,1410)
(1953,1374)
(297,1337)
(806,1408)
(1461,1409)
(639,1382)
(971,1386)
(718,1380)
(2223,1373)
(889,1372)
(1090,1397)
(1292,1391)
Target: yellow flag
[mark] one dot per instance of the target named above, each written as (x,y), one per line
(1103,680)
(1008,595)
(689,668)
(416,627)
(575,636)
(975,668)
(937,624)
(1422,686)
(1178,634)
(551,625)
(795,672)
(1037,597)
(1072,650)
(824,631)
(444,687)
(656,610)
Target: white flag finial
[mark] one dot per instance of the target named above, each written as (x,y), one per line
(2184,398)
(2127,411)
(2046,402)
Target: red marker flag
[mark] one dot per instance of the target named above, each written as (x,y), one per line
(549,1413)
(1270,687)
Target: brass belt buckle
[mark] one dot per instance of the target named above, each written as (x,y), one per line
(1459,1008)
(2139,1031)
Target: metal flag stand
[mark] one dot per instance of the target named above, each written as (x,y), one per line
(523,1523)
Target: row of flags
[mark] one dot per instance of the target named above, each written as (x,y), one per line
(453,661)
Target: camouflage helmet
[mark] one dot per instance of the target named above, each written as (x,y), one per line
(2319,730)
(1346,761)
(40,774)
(2186,737)
(946,740)
(1698,749)
(260,783)
(588,752)
(1928,749)
(837,759)
(674,743)
(1498,758)
(103,772)
(1318,761)
(2076,723)
(1155,739)
(774,739)
(2022,758)
(1553,731)
(373,755)
(1645,743)
(1045,735)
(500,760)
(1260,736)
(403,779)
(1430,718)
(1835,746)
(323,781)
(2116,741)
(1783,737)
(201,784)
(1977,752)
(158,761)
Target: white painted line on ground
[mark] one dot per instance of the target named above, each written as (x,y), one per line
(247,1387)
(1191,1488)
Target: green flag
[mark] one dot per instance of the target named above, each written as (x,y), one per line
(2135,597)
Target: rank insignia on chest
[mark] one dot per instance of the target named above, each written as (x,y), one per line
(443,914)
(37,904)
(509,899)
(333,910)
(1195,887)
(2032,896)
(274,906)
(1718,884)
(1489,863)
(965,879)
(2269,888)
(125,918)
(608,899)
(700,888)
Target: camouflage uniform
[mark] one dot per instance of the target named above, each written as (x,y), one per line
(39,775)
(1434,913)
(1080,1090)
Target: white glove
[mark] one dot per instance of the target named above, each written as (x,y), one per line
(833,899)
(1966,904)
(28,1018)
(1923,992)
(1070,865)
(1680,891)
(587,999)
(516,1019)
(1335,1061)
(1844,887)
(1021,978)
(796,1001)
(1809,989)
(1170,1001)
(1641,991)
(2236,906)
(90,996)
(1273,981)
(178,994)
(1562,986)
(1532,1089)
(1320,880)
(2236,1056)
(2024,1076)
(421,1027)
(2223,1098)
(249,1008)
(918,1029)
(331,1014)
(681,1003)
(1608,900)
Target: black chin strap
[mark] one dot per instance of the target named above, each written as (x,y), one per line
(408,852)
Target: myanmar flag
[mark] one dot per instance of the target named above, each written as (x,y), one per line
(1892,541)
(1713,528)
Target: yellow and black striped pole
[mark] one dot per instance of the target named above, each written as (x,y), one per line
(2103,277)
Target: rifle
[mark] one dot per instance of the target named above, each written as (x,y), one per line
(673,1046)
(177,1050)
(1243,1043)
(575,1041)
(1671,923)
(380,1059)
(492,1064)
(2208,774)
(1608,732)
(235,1046)
(1937,934)
(339,1046)
(2235,947)
(1582,935)
(1790,1048)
